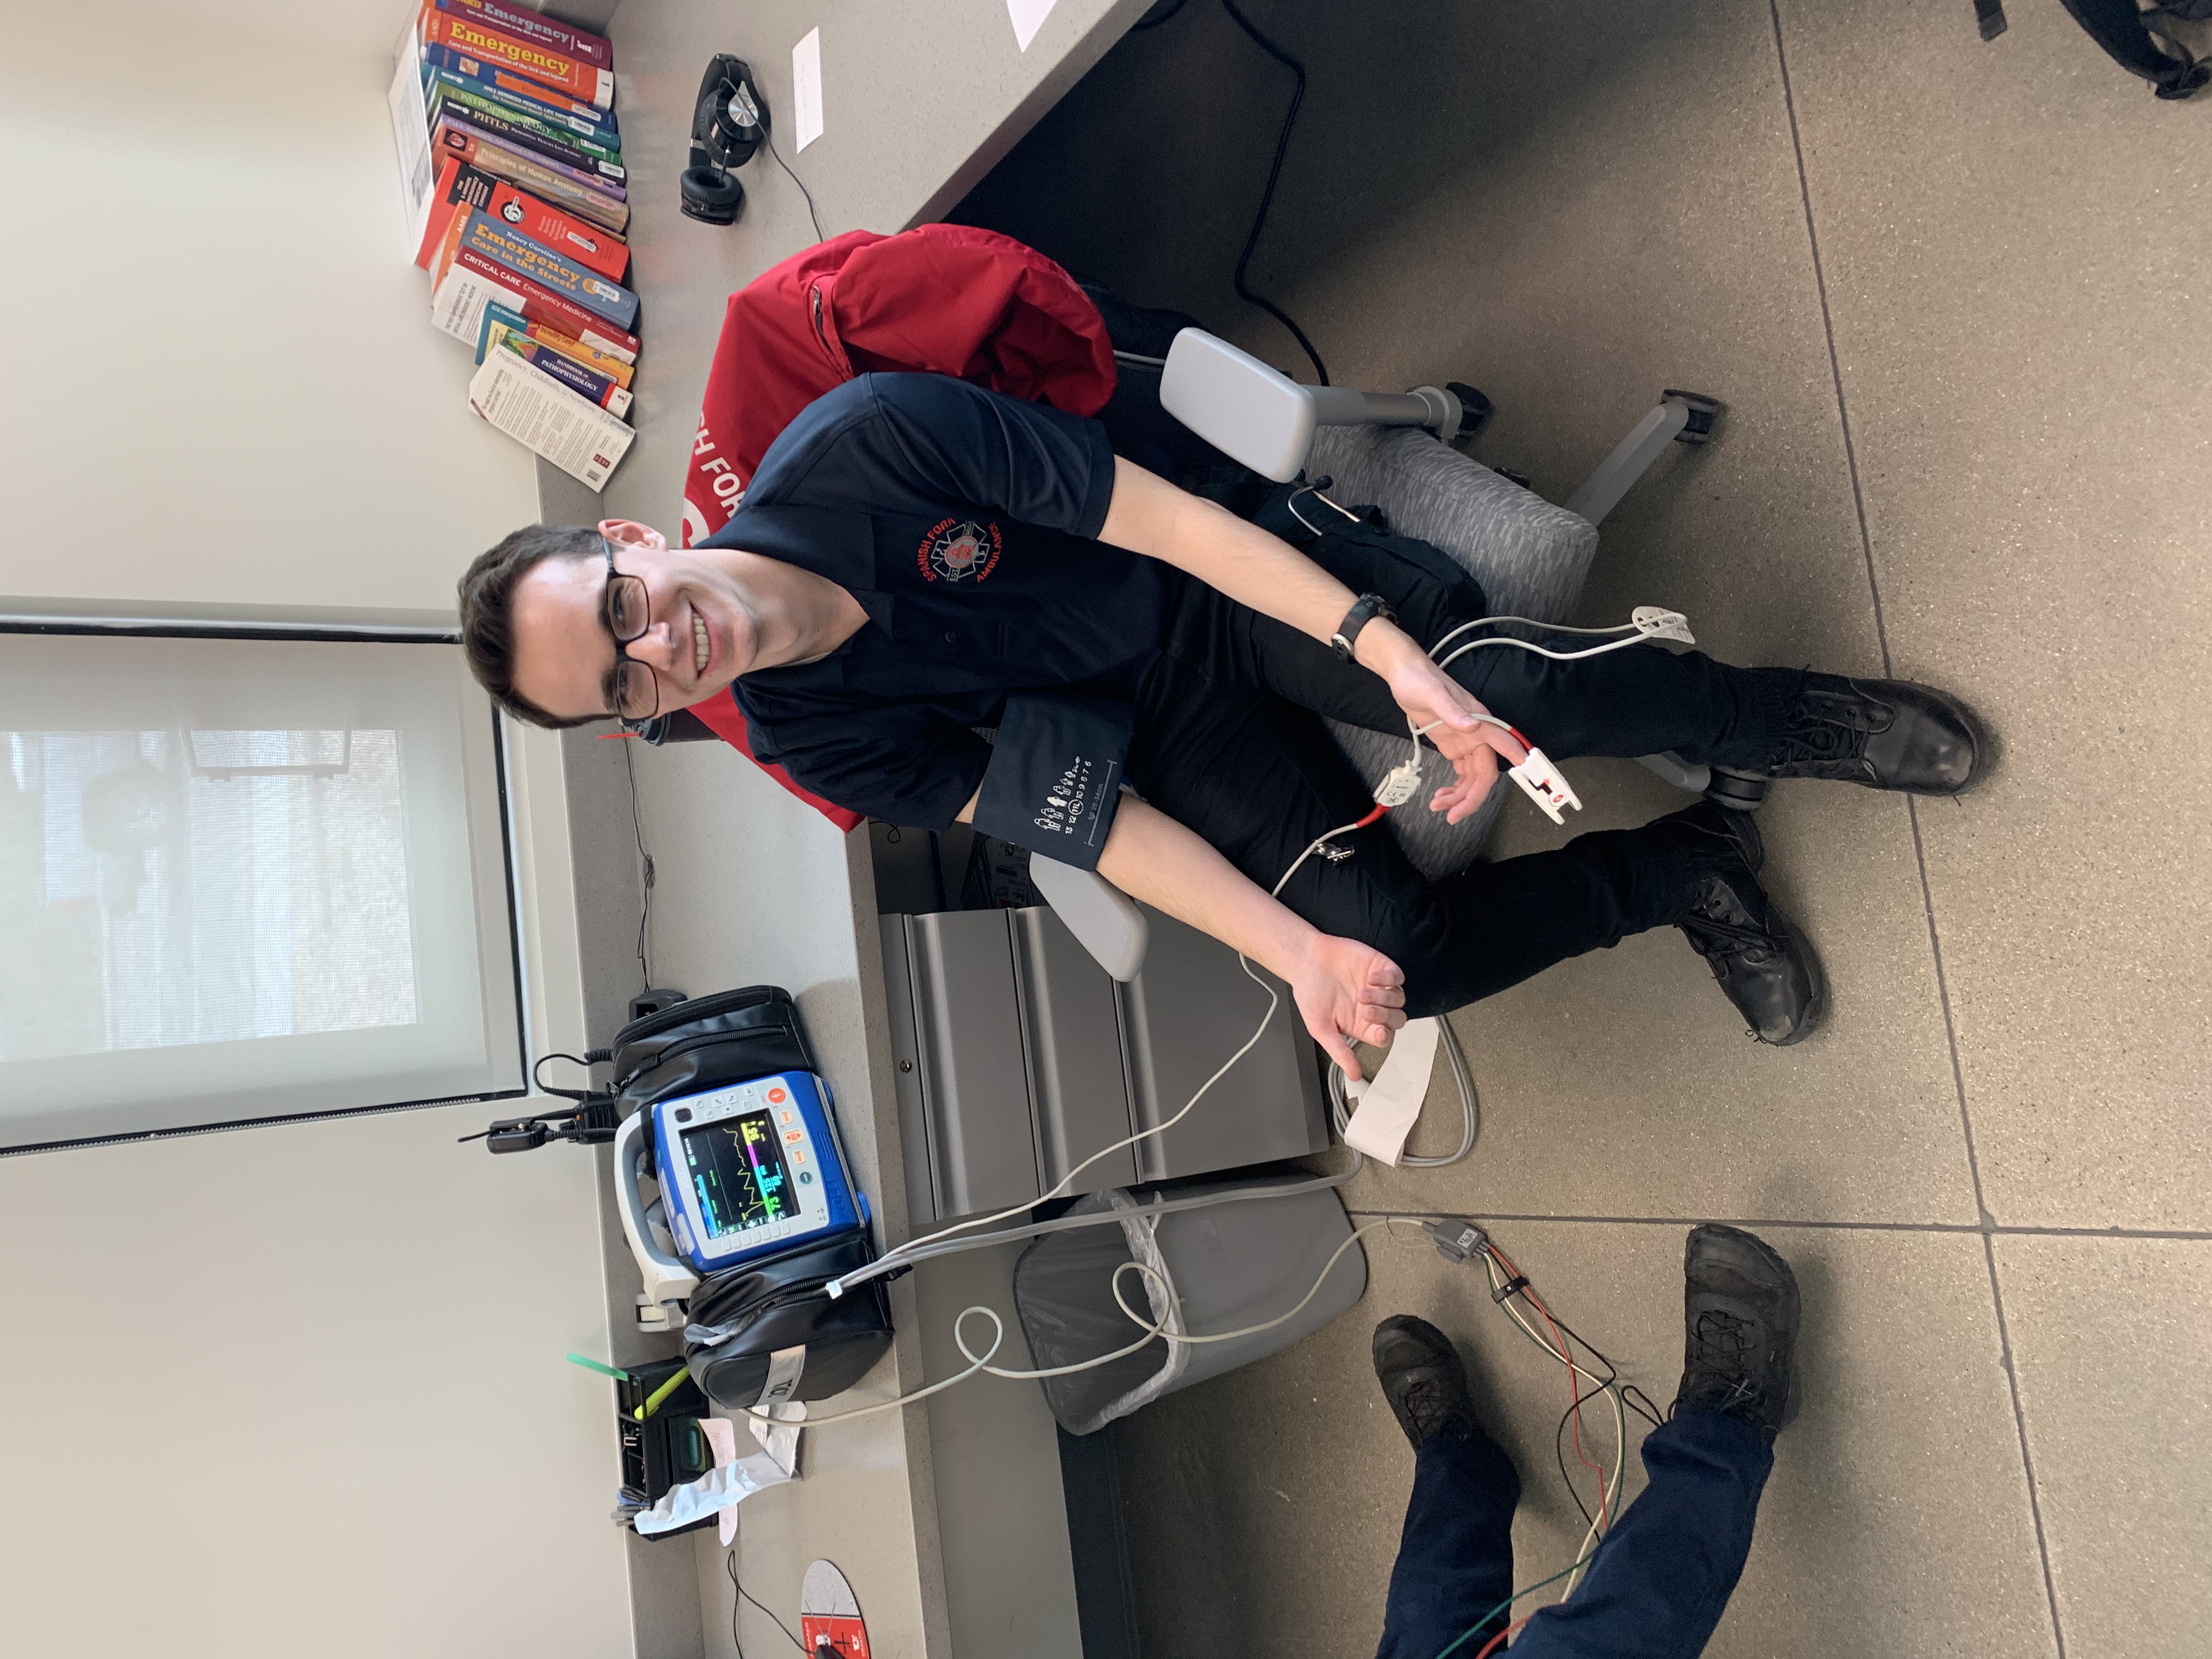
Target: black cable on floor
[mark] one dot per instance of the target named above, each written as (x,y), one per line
(1630,1396)
(729,1562)
(1244,291)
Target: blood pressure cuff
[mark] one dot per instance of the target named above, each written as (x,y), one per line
(1056,775)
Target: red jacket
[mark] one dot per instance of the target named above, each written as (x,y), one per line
(943,299)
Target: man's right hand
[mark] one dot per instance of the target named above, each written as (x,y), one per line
(1346,990)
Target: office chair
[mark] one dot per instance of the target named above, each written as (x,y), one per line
(1395,451)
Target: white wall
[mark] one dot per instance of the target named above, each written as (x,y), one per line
(300,1390)
(295,1389)
(222,385)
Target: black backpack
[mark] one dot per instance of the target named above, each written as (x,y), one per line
(2134,38)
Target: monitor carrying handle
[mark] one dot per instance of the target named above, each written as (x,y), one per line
(666,1278)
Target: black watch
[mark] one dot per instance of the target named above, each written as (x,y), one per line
(1364,610)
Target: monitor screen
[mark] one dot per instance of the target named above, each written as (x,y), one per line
(739,1174)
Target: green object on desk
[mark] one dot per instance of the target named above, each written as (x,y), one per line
(604,1371)
(653,1400)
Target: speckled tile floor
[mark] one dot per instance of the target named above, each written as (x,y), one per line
(1952,295)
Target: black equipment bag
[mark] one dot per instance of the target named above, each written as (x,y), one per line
(747,1321)
(746,1324)
(704,1043)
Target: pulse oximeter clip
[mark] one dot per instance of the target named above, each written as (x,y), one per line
(1539,780)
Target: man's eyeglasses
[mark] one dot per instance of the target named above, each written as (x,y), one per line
(626,613)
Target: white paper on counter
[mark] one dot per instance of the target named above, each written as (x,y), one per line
(806,88)
(1029,17)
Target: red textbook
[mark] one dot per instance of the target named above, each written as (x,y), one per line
(461,186)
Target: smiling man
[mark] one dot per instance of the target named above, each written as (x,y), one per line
(918,558)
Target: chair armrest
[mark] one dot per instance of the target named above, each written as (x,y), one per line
(1255,414)
(1104,919)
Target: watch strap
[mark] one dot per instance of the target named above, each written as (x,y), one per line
(1364,610)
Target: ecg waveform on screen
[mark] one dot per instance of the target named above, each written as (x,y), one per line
(744,1183)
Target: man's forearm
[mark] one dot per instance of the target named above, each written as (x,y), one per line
(1149,856)
(1149,515)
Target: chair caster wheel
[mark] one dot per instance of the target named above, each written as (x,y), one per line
(1705,413)
(1739,792)
(1475,409)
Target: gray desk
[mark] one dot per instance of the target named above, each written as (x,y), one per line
(920,99)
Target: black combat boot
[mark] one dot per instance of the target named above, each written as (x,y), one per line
(1886,734)
(1740,1315)
(1765,967)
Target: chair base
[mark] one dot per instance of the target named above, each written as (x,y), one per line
(1739,792)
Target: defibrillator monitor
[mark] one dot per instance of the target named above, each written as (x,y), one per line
(752,1168)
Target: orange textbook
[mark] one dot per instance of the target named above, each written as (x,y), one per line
(576,351)
(595,86)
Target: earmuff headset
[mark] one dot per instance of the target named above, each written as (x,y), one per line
(727,125)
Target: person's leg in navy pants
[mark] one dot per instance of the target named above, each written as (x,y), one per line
(1659,1581)
(1655,1588)
(1455,1555)
(1663,1574)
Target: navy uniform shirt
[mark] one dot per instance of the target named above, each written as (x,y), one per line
(962,522)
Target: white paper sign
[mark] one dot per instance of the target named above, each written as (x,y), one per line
(806,87)
(1029,17)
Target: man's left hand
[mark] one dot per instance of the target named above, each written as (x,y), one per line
(1431,697)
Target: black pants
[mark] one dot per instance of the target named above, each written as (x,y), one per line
(1230,742)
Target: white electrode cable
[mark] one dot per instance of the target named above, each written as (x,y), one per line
(1649,622)
(899,1255)
(1150,1328)
(1470,1104)
(1314,491)
(1160,1205)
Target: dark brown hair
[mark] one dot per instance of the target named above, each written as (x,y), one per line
(487,592)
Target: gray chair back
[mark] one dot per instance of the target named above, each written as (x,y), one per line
(1530,557)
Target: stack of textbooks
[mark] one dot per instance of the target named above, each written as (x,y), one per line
(517,199)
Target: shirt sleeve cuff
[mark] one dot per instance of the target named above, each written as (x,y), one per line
(1098,495)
